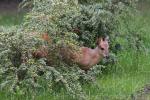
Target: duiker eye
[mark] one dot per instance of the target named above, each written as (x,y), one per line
(102,48)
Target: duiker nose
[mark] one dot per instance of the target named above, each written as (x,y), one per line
(107,57)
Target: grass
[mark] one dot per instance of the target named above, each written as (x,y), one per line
(130,74)
(10,19)
(129,80)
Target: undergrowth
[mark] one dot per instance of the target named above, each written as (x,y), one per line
(123,76)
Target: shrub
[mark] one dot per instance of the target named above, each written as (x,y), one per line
(69,23)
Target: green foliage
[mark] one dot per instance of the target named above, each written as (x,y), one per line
(21,77)
(88,21)
(69,23)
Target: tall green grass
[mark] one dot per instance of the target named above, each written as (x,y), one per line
(7,19)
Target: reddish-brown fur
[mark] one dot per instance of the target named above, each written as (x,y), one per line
(85,57)
(42,51)
(88,57)
(46,37)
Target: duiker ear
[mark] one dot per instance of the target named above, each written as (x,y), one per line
(106,38)
(98,40)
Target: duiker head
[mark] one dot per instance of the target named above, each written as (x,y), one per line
(103,45)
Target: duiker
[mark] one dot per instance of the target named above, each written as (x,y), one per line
(89,57)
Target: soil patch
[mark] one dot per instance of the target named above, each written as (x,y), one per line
(143,94)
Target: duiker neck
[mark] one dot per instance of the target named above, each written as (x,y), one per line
(98,50)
